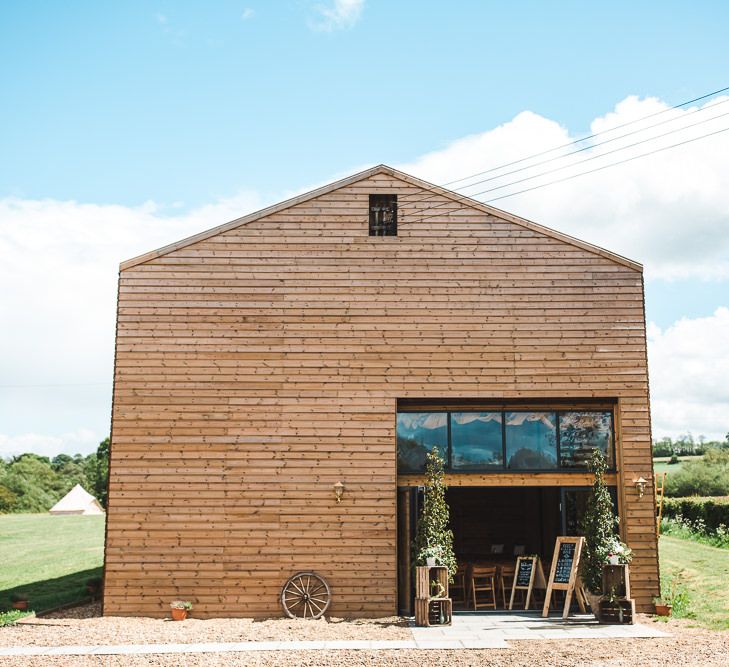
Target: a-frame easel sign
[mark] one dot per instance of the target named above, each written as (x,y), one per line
(563,574)
(528,575)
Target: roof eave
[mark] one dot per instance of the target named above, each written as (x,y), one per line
(367,173)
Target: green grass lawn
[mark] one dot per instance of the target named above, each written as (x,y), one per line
(661,465)
(49,557)
(706,574)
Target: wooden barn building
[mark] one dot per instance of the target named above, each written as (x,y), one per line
(332,339)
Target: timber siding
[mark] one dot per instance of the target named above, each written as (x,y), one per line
(262,363)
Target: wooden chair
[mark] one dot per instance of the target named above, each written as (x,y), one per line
(506,579)
(459,584)
(483,579)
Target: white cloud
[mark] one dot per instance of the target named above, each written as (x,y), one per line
(339,15)
(247,13)
(689,367)
(58,270)
(59,259)
(669,211)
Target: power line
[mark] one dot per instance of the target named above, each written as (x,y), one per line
(584,173)
(573,164)
(591,136)
(595,157)
(585,148)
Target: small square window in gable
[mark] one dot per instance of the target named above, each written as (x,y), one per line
(383,215)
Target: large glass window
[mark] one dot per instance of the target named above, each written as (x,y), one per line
(492,440)
(531,440)
(417,434)
(582,432)
(476,440)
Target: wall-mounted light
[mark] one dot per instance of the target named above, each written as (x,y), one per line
(640,485)
(338,491)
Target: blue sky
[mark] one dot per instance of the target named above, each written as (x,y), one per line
(121,102)
(181,115)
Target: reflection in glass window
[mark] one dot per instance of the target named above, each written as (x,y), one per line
(417,434)
(476,440)
(531,440)
(580,433)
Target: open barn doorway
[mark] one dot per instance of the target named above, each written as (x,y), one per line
(492,527)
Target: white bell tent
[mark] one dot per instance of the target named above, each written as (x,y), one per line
(77,501)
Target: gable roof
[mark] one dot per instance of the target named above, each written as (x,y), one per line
(367,173)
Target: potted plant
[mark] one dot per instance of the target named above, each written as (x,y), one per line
(437,590)
(663,608)
(94,585)
(433,555)
(673,594)
(19,601)
(598,526)
(619,553)
(433,537)
(180,609)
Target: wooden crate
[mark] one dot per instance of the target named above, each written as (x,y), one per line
(616,577)
(428,611)
(617,612)
(424,575)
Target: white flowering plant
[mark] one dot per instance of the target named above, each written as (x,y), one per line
(617,548)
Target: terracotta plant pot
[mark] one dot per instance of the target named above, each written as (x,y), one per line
(663,609)
(179,614)
(20,605)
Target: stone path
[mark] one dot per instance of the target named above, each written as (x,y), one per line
(469,631)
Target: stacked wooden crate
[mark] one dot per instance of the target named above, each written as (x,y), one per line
(432,604)
(616,607)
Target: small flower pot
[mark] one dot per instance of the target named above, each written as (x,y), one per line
(179,614)
(614,560)
(663,609)
(430,562)
(21,605)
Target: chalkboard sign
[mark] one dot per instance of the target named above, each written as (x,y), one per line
(565,561)
(563,575)
(524,573)
(528,574)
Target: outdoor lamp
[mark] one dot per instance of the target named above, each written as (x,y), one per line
(640,485)
(338,490)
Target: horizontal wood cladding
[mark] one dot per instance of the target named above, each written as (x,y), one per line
(257,367)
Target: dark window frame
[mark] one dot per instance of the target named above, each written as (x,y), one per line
(382,228)
(612,446)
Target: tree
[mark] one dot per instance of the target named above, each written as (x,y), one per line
(598,526)
(7,499)
(433,535)
(101,479)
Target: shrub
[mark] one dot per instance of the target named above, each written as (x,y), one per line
(598,526)
(675,592)
(695,531)
(11,617)
(706,515)
(709,476)
(433,537)
(674,460)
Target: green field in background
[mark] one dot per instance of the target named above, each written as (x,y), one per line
(50,558)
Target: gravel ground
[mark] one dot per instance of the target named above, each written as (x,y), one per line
(85,626)
(687,647)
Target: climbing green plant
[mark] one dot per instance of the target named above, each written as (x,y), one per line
(598,526)
(433,536)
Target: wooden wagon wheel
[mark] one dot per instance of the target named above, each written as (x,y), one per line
(305,595)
